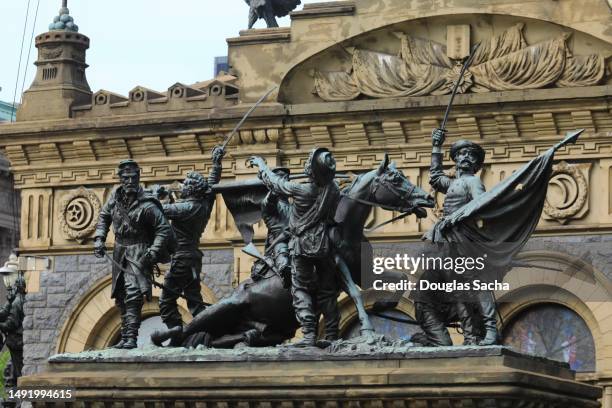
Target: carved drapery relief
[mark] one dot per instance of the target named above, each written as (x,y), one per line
(78,214)
(533,67)
(573,191)
(504,62)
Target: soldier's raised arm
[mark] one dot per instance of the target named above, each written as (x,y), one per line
(217,165)
(274,182)
(437,178)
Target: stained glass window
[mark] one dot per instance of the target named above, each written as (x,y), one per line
(553,331)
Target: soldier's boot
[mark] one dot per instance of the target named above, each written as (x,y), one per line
(122,340)
(309,340)
(133,324)
(488,309)
(130,343)
(468,324)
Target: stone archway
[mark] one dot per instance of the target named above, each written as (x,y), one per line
(95,322)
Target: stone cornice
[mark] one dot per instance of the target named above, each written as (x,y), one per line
(513,127)
(325,9)
(407,156)
(261,36)
(208,117)
(506,102)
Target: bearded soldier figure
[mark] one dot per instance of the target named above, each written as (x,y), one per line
(142,238)
(188,218)
(460,190)
(314,205)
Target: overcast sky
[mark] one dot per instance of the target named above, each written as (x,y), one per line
(153,43)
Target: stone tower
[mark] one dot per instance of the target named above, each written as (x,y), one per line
(60,80)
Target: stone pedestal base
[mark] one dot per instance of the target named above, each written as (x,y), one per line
(247,378)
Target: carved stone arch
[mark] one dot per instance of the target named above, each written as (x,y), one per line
(94,322)
(298,78)
(527,298)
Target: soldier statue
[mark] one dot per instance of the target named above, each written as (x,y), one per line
(11,326)
(143,237)
(313,276)
(460,190)
(268,10)
(494,225)
(188,219)
(275,210)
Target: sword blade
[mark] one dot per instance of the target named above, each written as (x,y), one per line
(245,117)
(464,68)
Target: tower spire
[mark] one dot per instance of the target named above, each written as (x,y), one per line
(60,81)
(63,21)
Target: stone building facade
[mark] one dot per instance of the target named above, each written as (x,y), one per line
(363,78)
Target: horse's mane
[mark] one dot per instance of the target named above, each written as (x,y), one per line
(349,188)
(390,171)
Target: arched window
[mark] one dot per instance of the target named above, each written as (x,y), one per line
(390,328)
(553,331)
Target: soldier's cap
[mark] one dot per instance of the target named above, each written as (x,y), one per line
(317,168)
(460,144)
(128,165)
(281,170)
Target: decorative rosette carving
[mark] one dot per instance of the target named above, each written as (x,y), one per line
(78,213)
(574,191)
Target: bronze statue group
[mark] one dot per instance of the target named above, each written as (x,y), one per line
(313,249)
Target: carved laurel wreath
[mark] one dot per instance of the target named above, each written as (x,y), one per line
(575,190)
(78,212)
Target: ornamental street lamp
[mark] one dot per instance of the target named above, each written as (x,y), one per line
(10,271)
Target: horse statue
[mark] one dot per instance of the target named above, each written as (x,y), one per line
(260,313)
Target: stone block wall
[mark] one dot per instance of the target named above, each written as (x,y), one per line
(63,287)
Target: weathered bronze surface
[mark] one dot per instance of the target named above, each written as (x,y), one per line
(260,311)
(142,238)
(11,326)
(476,223)
(268,10)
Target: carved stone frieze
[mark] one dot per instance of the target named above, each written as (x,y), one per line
(78,213)
(423,67)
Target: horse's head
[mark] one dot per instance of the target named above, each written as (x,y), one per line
(392,188)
